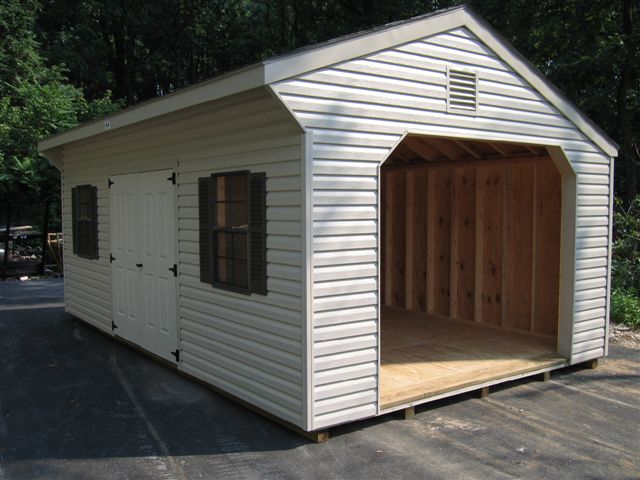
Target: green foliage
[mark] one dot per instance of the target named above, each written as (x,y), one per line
(100,107)
(591,51)
(625,308)
(626,247)
(625,296)
(36,101)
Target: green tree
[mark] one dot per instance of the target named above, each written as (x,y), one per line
(35,101)
(141,49)
(591,51)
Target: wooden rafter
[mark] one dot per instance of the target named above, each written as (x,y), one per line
(469,147)
(416,151)
(400,154)
(443,146)
(464,163)
(424,150)
(501,149)
(535,150)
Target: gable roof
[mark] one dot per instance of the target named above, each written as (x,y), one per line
(329,53)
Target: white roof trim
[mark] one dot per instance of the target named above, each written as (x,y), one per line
(219,87)
(329,53)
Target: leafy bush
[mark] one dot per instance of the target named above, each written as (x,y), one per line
(625,297)
(625,308)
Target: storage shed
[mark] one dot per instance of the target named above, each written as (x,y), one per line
(354,228)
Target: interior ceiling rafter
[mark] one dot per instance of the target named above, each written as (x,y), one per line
(421,150)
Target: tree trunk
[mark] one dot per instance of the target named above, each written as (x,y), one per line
(627,154)
(7,232)
(45,237)
(121,68)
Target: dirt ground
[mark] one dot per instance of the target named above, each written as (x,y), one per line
(624,336)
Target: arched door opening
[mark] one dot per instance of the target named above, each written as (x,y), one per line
(470,265)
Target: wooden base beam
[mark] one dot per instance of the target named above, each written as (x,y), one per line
(484,392)
(595,363)
(318,437)
(546,376)
(409,412)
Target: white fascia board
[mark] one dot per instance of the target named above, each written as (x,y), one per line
(539,82)
(287,66)
(220,87)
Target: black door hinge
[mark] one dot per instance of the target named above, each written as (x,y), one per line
(174,269)
(176,354)
(109,183)
(172,178)
(111,258)
(113,325)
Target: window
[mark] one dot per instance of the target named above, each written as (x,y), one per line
(84,218)
(462,90)
(232,209)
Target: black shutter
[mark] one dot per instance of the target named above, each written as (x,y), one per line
(74,219)
(93,246)
(258,203)
(204,202)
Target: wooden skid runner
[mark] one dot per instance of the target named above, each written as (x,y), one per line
(424,356)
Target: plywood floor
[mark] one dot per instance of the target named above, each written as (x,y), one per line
(425,356)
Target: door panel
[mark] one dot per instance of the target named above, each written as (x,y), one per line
(125,285)
(158,256)
(144,249)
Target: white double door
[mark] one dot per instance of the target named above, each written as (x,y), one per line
(143,260)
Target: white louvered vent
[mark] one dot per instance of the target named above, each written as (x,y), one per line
(462,90)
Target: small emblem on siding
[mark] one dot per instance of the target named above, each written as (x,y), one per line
(107,124)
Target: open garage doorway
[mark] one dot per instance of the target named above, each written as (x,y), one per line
(470,266)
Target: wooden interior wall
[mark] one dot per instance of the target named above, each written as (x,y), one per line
(478,243)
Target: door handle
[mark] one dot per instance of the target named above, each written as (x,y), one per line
(138,265)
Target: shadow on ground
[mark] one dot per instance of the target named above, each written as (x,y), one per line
(75,404)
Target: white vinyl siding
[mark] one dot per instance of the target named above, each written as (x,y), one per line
(249,346)
(357,111)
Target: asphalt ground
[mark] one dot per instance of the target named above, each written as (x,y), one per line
(75,404)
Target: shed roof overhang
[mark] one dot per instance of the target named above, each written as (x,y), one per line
(329,53)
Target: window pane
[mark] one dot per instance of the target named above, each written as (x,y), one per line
(231,188)
(224,271)
(85,235)
(230,250)
(240,273)
(231,215)
(222,242)
(240,246)
(84,194)
(85,211)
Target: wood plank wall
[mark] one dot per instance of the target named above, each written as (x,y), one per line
(477,243)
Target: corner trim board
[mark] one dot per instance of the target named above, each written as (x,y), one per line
(307,290)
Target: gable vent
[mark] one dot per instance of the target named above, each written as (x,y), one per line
(462,90)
